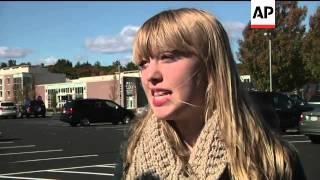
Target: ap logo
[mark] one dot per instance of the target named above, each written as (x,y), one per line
(263,14)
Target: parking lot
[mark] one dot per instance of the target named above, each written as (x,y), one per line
(45,148)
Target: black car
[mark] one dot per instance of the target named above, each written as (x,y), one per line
(34,108)
(287,111)
(86,111)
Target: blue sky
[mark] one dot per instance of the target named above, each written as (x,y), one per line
(42,32)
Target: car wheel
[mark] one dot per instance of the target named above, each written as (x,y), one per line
(126,120)
(85,122)
(314,139)
(43,115)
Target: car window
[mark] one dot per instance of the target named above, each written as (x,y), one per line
(87,104)
(315,99)
(282,101)
(99,104)
(68,105)
(276,101)
(7,104)
(111,104)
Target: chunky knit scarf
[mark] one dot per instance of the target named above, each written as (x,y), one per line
(154,158)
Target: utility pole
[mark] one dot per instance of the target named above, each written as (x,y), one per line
(270,62)
(119,83)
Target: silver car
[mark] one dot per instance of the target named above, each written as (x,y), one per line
(310,120)
(8,109)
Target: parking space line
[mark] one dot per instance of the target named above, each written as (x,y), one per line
(48,159)
(308,141)
(81,172)
(15,177)
(109,166)
(13,147)
(294,135)
(31,152)
(44,170)
(79,167)
(6,142)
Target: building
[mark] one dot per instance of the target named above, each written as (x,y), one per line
(16,82)
(127,92)
(246,82)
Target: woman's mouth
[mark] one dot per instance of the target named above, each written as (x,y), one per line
(160,96)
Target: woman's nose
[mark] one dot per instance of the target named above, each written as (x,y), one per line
(154,74)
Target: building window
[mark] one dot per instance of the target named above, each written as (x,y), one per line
(8,93)
(0,93)
(8,80)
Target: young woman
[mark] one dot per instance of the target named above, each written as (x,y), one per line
(200,124)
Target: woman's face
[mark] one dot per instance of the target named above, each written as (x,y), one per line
(170,78)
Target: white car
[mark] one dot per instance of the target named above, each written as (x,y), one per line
(8,109)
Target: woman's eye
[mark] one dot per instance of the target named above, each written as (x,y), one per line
(167,57)
(143,64)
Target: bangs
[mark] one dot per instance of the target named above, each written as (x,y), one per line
(162,33)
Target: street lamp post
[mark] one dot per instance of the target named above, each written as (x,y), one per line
(119,83)
(270,64)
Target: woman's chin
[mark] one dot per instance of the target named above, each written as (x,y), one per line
(163,115)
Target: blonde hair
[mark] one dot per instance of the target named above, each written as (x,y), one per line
(254,151)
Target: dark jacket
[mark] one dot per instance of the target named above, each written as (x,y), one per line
(298,171)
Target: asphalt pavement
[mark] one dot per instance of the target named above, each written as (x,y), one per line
(46,148)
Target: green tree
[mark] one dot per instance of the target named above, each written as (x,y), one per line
(97,64)
(311,48)
(12,62)
(131,66)
(77,65)
(286,49)
(3,65)
(63,66)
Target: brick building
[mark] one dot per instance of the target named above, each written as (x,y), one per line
(19,81)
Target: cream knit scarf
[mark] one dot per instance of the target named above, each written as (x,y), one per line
(154,158)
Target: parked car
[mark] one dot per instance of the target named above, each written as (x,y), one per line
(310,120)
(86,111)
(266,109)
(288,113)
(8,109)
(34,108)
(298,100)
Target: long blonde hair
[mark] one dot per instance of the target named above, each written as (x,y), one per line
(254,151)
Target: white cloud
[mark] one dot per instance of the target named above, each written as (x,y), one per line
(234,29)
(13,52)
(113,44)
(48,60)
(125,60)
